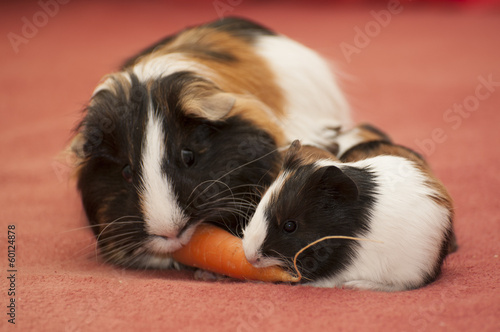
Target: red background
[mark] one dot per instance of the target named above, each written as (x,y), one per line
(427,59)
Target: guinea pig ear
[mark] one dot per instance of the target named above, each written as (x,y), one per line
(292,156)
(213,107)
(333,148)
(337,184)
(77,146)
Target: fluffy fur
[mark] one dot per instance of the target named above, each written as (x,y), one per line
(377,190)
(188,131)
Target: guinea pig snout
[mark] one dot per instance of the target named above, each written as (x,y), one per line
(164,244)
(253,259)
(166,236)
(168,240)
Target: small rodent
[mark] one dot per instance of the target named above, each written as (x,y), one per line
(188,130)
(376,190)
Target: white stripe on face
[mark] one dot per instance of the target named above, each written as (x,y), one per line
(162,214)
(255,232)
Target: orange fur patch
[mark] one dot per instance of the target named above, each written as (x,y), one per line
(310,154)
(239,70)
(368,135)
(249,74)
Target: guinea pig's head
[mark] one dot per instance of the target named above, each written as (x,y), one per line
(311,198)
(158,157)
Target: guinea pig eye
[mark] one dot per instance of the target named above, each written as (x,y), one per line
(127,173)
(290,226)
(187,157)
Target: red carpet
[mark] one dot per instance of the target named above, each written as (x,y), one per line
(406,77)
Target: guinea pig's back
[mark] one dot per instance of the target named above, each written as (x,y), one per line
(412,217)
(242,57)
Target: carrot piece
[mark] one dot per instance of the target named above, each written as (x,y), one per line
(212,248)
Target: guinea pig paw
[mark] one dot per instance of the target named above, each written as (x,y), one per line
(178,266)
(205,275)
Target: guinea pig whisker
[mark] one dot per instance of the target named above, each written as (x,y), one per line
(84,251)
(236,202)
(126,246)
(236,198)
(299,275)
(104,244)
(101,241)
(215,201)
(281,257)
(111,247)
(233,211)
(121,224)
(121,251)
(239,205)
(201,193)
(257,186)
(80,228)
(120,219)
(233,195)
(120,236)
(212,182)
(229,172)
(114,222)
(97,225)
(212,199)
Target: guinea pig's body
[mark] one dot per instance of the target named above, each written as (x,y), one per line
(377,191)
(188,130)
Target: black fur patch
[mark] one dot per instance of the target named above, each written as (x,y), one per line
(241,28)
(316,202)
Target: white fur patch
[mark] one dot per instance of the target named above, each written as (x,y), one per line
(255,232)
(408,222)
(162,214)
(109,82)
(164,65)
(154,68)
(314,102)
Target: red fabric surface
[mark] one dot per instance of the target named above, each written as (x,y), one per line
(404,80)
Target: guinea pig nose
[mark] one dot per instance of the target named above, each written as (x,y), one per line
(254,260)
(166,236)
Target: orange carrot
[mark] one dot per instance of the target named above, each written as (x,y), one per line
(216,250)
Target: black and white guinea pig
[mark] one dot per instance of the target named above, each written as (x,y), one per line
(378,191)
(187,131)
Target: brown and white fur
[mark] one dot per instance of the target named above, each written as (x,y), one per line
(188,130)
(378,191)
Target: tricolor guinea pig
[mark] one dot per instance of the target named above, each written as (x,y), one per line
(187,131)
(377,191)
